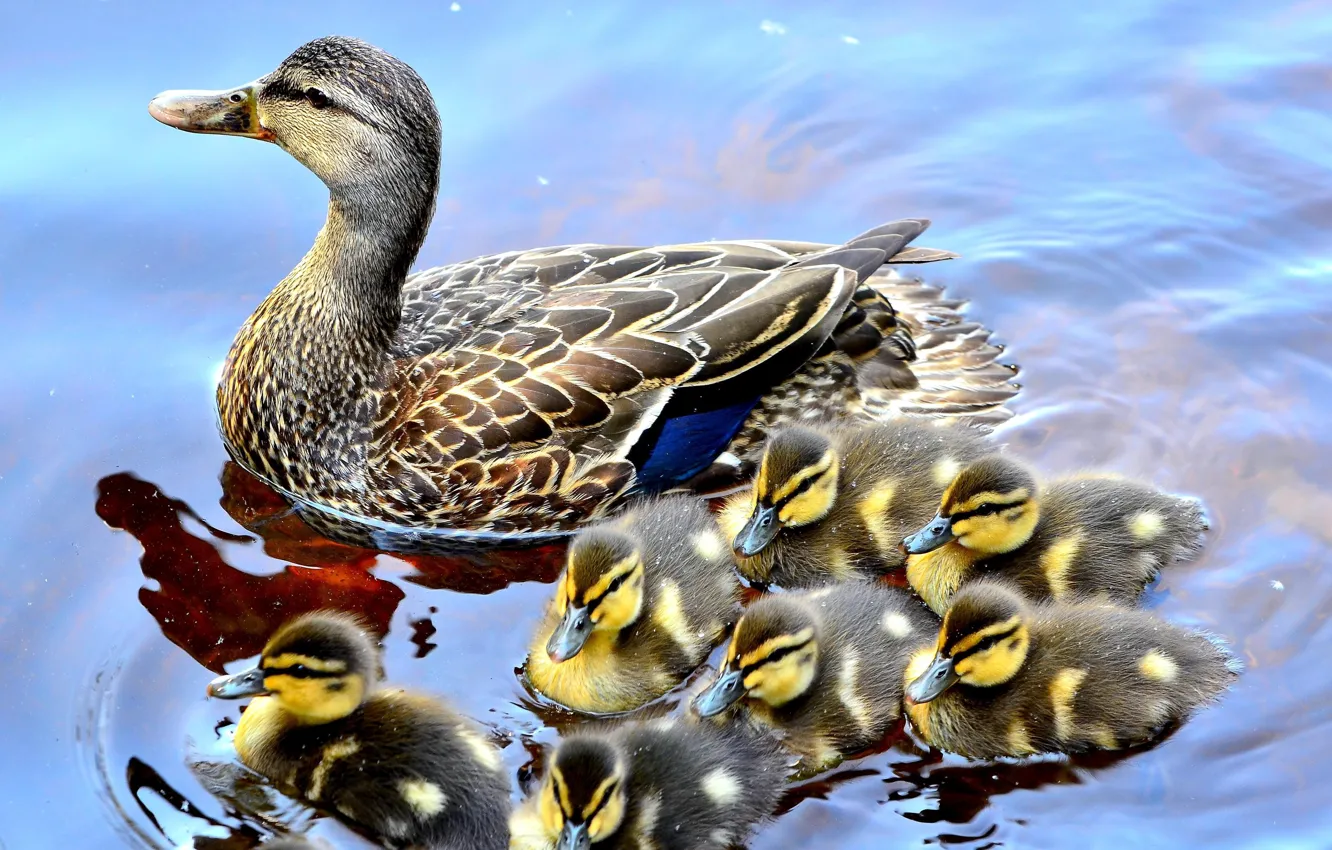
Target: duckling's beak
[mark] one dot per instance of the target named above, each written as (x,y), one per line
(569,636)
(721,694)
(758,532)
(247,684)
(934,681)
(574,837)
(938,532)
(231,112)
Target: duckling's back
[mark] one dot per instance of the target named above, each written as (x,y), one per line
(698,786)
(1103,538)
(409,769)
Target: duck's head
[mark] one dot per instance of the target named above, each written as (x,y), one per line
(990,507)
(796,485)
(601,590)
(583,797)
(983,642)
(773,657)
(318,667)
(354,115)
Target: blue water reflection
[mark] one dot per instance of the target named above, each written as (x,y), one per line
(1142,193)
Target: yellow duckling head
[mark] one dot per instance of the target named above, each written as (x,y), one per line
(773,657)
(601,590)
(991,507)
(584,795)
(983,642)
(796,485)
(317,668)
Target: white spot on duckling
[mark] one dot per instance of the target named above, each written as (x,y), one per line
(481,749)
(709,545)
(1158,666)
(1146,525)
(333,752)
(945,471)
(426,798)
(722,788)
(896,624)
(648,812)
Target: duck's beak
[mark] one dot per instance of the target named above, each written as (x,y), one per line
(247,684)
(231,112)
(934,681)
(574,837)
(721,694)
(758,532)
(935,534)
(569,636)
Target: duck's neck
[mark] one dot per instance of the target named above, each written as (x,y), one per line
(302,384)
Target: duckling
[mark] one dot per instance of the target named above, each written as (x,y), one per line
(1012,678)
(1097,537)
(641,603)
(823,668)
(403,766)
(666,784)
(832,502)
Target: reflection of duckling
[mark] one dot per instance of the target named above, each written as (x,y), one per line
(822,667)
(1097,537)
(640,604)
(833,502)
(403,766)
(1009,679)
(667,784)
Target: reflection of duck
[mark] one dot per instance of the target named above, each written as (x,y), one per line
(668,784)
(823,668)
(832,502)
(209,608)
(641,603)
(1097,537)
(527,391)
(1010,679)
(401,765)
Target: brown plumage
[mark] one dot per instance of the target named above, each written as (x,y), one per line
(832,501)
(525,392)
(1097,537)
(1010,678)
(822,668)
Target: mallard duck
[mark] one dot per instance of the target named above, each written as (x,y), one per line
(1011,678)
(526,392)
(823,668)
(403,766)
(666,784)
(832,502)
(641,603)
(1097,537)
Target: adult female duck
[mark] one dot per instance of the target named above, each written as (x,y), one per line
(523,393)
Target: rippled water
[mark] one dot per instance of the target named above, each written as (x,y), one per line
(1142,195)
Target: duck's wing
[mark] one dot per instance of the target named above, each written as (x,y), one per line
(586,348)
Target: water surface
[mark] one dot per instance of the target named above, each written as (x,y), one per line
(1142,195)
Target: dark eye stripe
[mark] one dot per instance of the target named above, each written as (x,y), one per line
(988,643)
(605,798)
(987,509)
(300,671)
(800,488)
(775,655)
(616,584)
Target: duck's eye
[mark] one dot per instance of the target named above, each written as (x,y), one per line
(316,97)
(236,97)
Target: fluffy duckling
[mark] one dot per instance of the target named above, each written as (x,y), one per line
(403,766)
(1104,538)
(833,502)
(641,603)
(823,668)
(1009,678)
(666,784)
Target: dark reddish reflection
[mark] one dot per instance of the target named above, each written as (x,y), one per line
(144,780)
(212,610)
(257,507)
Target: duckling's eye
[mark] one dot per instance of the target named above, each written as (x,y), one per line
(236,97)
(316,97)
